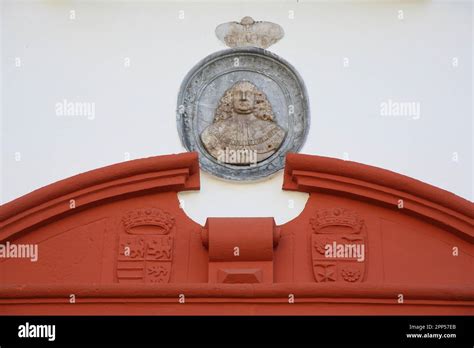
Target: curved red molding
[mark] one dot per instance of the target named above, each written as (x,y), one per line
(161,173)
(308,173)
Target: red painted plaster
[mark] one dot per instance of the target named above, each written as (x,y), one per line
(117,239)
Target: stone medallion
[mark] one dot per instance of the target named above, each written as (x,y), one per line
(243,109)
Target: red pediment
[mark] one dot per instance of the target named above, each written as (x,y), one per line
(116,241)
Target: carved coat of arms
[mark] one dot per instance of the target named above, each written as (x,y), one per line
(338,246)
(145,250)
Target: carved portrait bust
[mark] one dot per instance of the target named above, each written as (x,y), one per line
(244,131)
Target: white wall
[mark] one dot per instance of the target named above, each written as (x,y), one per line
(409,60)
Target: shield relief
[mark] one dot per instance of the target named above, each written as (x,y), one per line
(338,246)
(146,248)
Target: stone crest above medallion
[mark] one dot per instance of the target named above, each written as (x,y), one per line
(248,32)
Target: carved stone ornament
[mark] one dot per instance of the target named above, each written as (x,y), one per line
(242,110)
(244,125)
(338,246)
(249,33)
(146,248)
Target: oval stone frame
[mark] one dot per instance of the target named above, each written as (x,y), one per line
(207,81)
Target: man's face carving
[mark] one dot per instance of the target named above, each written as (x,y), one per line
(243,123)
(243,99)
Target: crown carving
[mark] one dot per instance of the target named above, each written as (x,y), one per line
(248,32)
(148,217)
(336,217)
